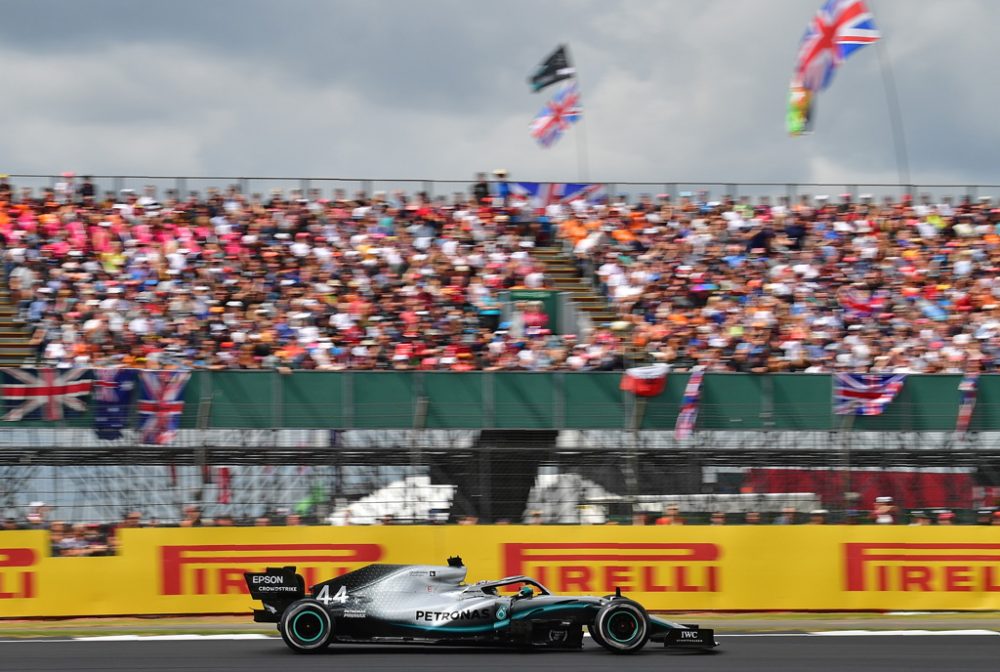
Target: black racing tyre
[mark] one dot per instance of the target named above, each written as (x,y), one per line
(621,626)
(306,626)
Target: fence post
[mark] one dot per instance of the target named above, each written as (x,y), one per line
(348,398)
(489,400)
(278,403)
(559,400)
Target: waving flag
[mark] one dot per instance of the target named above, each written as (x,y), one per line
(553,69)
(113,390)
(543,194)
(645,381)
(160,405)
(865,393)
(688,416)
(800,114)
(557,115)
(839,28)
(47,394)
(968,389)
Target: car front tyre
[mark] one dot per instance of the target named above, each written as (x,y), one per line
(621,626)
(306,626)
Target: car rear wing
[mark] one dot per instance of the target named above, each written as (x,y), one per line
(276,587)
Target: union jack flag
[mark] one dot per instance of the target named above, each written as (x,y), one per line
(557,115)
(49,394)
(544,194)
(967,388)
(839,28)
(160,405)
(688,416)
(865,393)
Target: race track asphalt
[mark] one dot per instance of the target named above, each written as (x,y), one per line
(775,652)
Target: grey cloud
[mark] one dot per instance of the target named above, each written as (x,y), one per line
(672,90)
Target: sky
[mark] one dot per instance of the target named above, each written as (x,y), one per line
(673,90)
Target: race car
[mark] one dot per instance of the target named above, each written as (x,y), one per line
(429,604)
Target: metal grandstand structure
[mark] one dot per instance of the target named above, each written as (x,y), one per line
(250,471)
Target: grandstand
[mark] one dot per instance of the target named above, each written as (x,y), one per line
(402,352)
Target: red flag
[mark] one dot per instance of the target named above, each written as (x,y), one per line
(645,381)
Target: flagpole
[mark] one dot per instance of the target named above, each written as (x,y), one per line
(895,116)
(581,147)
(582,167)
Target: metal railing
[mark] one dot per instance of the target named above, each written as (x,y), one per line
(328,187)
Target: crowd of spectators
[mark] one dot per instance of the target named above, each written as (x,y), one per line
(818,285)
(299,281)
(90,539)
(396,281)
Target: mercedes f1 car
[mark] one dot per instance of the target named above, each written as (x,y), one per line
(427,604)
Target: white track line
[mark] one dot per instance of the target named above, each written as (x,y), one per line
(900,633)
(248,636)
(168,638)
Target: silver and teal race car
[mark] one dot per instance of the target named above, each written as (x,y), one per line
(428,604)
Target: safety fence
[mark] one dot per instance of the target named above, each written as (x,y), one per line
(195,571)
(491,484)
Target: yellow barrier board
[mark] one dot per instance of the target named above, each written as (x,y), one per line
(200,571)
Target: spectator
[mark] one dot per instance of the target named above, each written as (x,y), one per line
(945,517)
(885,511)
(919,517)
(57,535)
(718,518)
(787,516)
(751,518)
(36,516)
(671,516)
(192,516)
(818,517)
(481,190)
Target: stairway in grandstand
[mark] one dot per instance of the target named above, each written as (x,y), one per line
(14,340)
(561,274)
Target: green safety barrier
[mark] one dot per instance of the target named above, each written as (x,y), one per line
(550,401)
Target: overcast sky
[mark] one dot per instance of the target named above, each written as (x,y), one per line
(673,90)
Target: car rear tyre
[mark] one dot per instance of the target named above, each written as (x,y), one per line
(306,626)
(621,626)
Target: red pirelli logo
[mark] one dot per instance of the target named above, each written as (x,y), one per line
(212,569)
(17,578)
(949,568)
(602,567)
